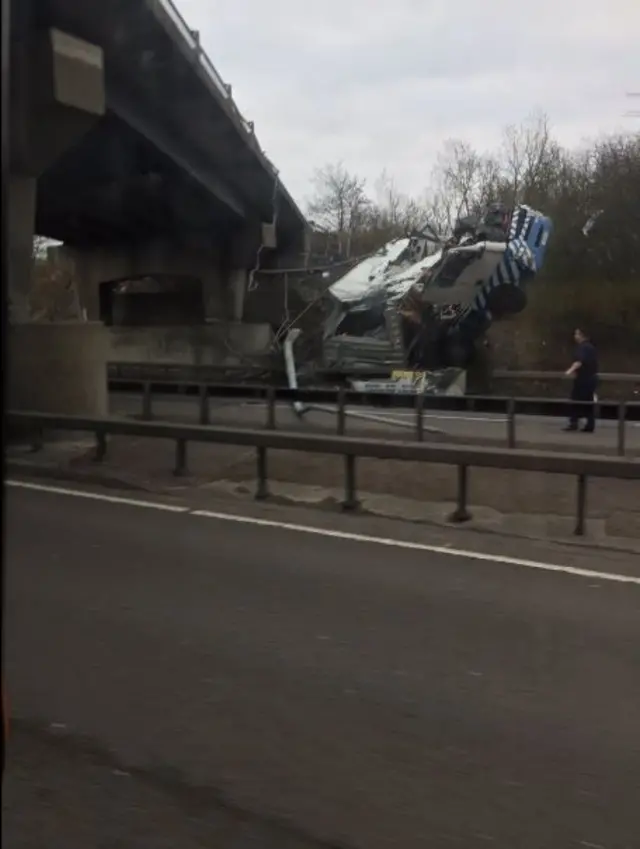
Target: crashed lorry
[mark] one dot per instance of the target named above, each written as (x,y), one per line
(421,305)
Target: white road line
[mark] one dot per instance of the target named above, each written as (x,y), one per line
(418,546)
(97,496)
(335,534)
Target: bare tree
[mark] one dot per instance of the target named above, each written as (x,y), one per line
(458,166)
(394,213)
(389,201)
(438,211)
(530,157)
(463,182)
(340,204)
(530,167)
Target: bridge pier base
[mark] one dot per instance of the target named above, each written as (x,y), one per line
(58,367)
(57,95)
(21,216)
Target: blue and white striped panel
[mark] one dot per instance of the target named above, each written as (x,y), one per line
(477,314)
(523,257)
(533,228)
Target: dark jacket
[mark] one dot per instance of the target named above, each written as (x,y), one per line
(587,356)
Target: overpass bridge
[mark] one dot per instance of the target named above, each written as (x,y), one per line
(127,146)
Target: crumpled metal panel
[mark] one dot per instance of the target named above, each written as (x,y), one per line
(459,291)
(369,275)
(389,274)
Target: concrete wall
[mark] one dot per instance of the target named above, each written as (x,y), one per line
(215,343)
(58,368)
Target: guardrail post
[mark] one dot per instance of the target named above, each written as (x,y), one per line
(204,404)
(271,408)
(622,423)
(262,489)
(419,417)
(511,423)
(342,413)
(461,513)
(181,458)
(581,505)
(350,497)
(101,446)
(146,401)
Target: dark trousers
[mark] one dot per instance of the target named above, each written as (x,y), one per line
(583,393)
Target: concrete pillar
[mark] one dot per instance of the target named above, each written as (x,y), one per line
(22,213)
(240,255)
(213,294)
(59,367)
(238,287)
(57,94)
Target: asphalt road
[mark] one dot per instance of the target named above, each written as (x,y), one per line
(346,692)
(387,424)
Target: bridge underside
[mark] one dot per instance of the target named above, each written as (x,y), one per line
(135,193)
(123,149)
(164,118)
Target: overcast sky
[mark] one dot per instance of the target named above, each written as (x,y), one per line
(383,83)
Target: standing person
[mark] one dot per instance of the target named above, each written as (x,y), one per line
(584,371)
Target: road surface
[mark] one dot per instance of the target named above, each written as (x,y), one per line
(347,691)
(384,423)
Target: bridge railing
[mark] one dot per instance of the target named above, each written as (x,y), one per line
(155,371)
(511,408)
(580,466)
(193,40)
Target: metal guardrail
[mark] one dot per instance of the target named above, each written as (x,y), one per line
(463,458)
(180,372)
(151,371)
(620,411)
(605,377)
